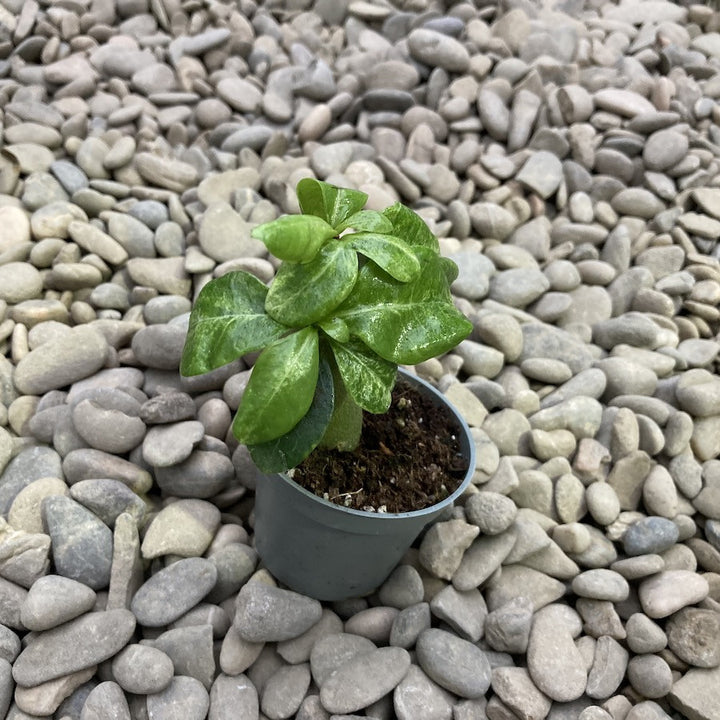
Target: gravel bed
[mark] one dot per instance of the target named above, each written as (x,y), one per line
(567,154)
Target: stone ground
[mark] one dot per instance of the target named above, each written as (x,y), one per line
(568,156)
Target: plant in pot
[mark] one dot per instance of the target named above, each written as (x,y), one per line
(337,433)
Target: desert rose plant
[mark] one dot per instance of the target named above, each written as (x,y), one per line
(357,293)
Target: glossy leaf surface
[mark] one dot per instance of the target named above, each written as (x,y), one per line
(227,321)
(405,323)
(368,378)
(389,252)
(290,449)
(295,238)
(367,221)
(303,294)
(336,328)
(281,388)
(332,204)
(411,227)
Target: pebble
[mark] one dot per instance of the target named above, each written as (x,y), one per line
(13,596)
(455,664)
(269,614)
(167,407)
(159,346)
(284,691)
(62,361)
(88,463)
(479,359)
(643,635)
(169,444)
(692,635)
(438,50)
(46,698)
(541,173)
(464,612)
(639,566)
(234,695)
(417,696)
(671,590)
(29,465)
(25,556)
(408,624)
(235,564)
(374,623)
(364,679)
(76,645)
(650,676)
(554,662)
(333,651)
(514,686)
(108,429)
(191,651)
(19,281)
(492,512)
(696,692)
(81,542)
(622,102)
(601,584)
(608,668)
(108,499)
(515,580)
(183,691)
(142,669)
(507,628)
(204,474)
(172,591)
(650,535)
(106,695)
(482,559)
(24,505)
(185,528)
(402,588)
(442,547)
(53,600)
(518,287)
(298,649)
(166,275)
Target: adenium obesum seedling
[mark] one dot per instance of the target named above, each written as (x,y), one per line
(357,293)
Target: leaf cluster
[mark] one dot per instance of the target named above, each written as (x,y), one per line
(357,293)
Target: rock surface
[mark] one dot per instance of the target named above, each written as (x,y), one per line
(567,156)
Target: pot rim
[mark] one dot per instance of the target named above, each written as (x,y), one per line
(450,499)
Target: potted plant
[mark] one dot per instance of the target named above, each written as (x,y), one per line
(358,292)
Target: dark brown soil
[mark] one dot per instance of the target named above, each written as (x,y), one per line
(408,459)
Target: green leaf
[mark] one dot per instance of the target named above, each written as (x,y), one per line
(450,269)
(411,227)
(367,221)
(303,294)
(391,253)
(368,378)
(289,450)
(227,321)
(295,238)
(336,329)
(405,323)
(281,388)
(332,204)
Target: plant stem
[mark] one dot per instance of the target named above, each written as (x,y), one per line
(343,431)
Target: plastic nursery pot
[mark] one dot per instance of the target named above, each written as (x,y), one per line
(330,552)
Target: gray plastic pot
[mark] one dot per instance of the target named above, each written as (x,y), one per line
(331,552)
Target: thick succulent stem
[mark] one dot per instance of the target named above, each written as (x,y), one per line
(345,427)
